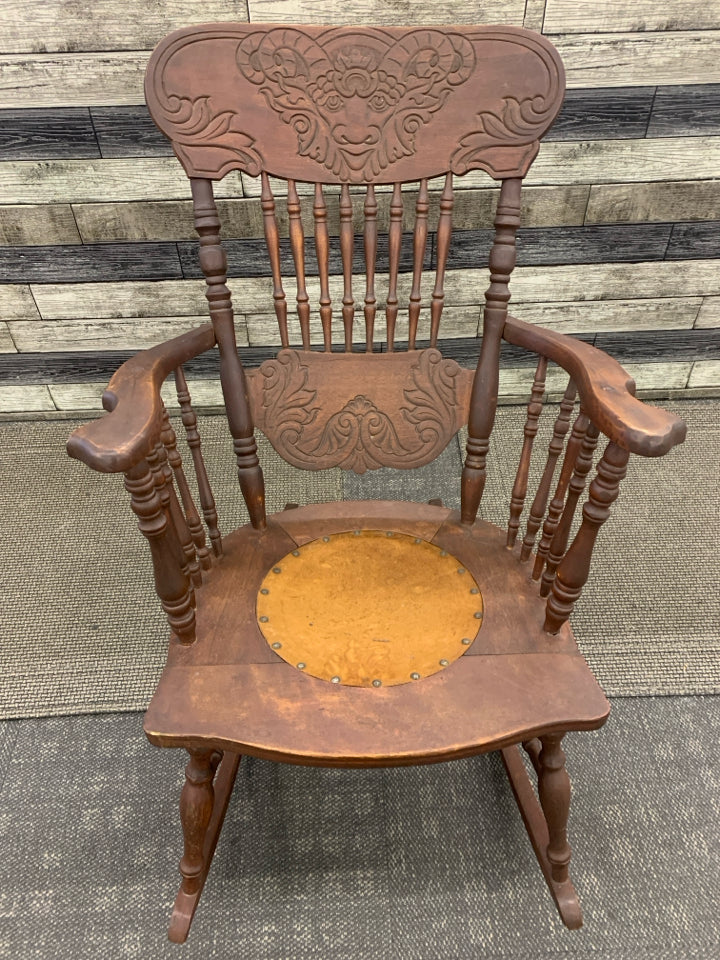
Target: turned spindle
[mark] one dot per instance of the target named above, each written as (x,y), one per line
(539,504)
(574,569)
(322,250)
(196,806)
(370,242)
(554,795)
(347,243)
(272,241)
(157,461)
(297,244)
(394,246)
(173,587)
(419,247)
(519,490)
(444,232)
(483,399)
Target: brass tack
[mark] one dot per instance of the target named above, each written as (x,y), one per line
(478,614)
(263,619)
(443,553)
(301,666)
(466,640)
(414,676)
(326,539)
(418,540)
(444,663)
(377,683)
(388,533)
(356,533)
(461,569)
(296,553)
(474,590)
(265,591)
(334,679)
(277,569)
(277,645)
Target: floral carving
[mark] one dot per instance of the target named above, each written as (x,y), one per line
(356,108)
(359,436)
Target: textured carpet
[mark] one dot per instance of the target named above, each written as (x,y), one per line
(428,862)
(83,630)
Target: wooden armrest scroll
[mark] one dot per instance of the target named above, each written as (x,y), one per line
(606,390)
(115,443)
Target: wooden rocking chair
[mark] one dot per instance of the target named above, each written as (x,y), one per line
(369,633)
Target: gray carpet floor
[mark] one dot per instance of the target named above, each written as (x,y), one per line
(83,631)
(428,862)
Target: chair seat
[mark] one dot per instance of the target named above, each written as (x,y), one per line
(509,682)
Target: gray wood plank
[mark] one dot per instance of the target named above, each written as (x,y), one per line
(104,24)
(21,398)
(705,373)
(562,245)
(39,134)
(605,114)
(534,15)
(687,111)
(17,302)
(388,14)
(613,59)
(662,201)
(29,225)
(588,16)
(90,79)
(7,344)
(690,241)
(128,132)
(83,263)
(709,315)
(593,316)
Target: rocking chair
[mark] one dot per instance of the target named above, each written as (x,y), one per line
(368,633)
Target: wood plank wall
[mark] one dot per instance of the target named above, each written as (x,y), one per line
(621,236)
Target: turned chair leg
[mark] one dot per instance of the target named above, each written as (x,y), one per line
(546,821)
(202,811)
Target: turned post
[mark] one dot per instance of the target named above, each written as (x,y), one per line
(554,795)
(232,376)
(347,242)
(196,806)
(519,490)
(483,399)
(574,569)
(172,585)
(158,463)
(394,247)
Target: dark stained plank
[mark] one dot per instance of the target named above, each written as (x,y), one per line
(128,132)
(694,241)
(249,258)
(564,245)
(625,346)
(686,111)
(83,264)
(57,133)
(604,114)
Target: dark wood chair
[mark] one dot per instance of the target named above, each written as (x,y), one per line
(370,633)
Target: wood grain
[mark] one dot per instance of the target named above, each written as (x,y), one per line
(89,79)
(709,315)
(597,315)
(7,344)
(586,16)
(687,111)
(28,225)
(662,201)
(692,240)
(615,113)
(376,11)
(17,303)
(88,396)
(104,24)
(16,398)
(53,132)
(128,132)
(84,263)
(705,373)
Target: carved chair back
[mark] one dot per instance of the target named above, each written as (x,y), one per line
(367,111)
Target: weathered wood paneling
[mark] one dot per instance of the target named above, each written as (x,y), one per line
(72,80)
(705,373)
(694,240)
(27,225)
(388,14)
(601,315)
(686,111)
(17,303)
(122,261)
(46,26)
(128,132)
(654,202)
(87,396)
(589,16)
(534,14)
(7,344)
(25,398)
(37,134)
(620,59)
(616,113)
(709,315)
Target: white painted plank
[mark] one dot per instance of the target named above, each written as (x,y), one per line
(49,25)
(401,13)
(602,315)
(660,202)
(84,181)
(16,302)
(589,16)
(709,315)
(7,344)
(705,373)
(25,398)
(58,335)
(72,80)
(28,225)
(639,59)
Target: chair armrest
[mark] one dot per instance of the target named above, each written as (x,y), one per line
(115,443)
(606,390)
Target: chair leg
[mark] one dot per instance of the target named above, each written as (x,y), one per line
(202,811)
(546,820)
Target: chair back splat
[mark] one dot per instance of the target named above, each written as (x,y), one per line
(320,114)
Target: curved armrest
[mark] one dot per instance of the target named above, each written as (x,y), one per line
(606,390)
(117,442)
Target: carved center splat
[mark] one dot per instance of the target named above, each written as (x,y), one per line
(369,608)
(359,412)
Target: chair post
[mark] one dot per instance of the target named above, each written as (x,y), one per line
(196,806)
(574,569)
(172,585)
(483,399)
(554,794)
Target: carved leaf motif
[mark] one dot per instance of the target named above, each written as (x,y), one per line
(359,436)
